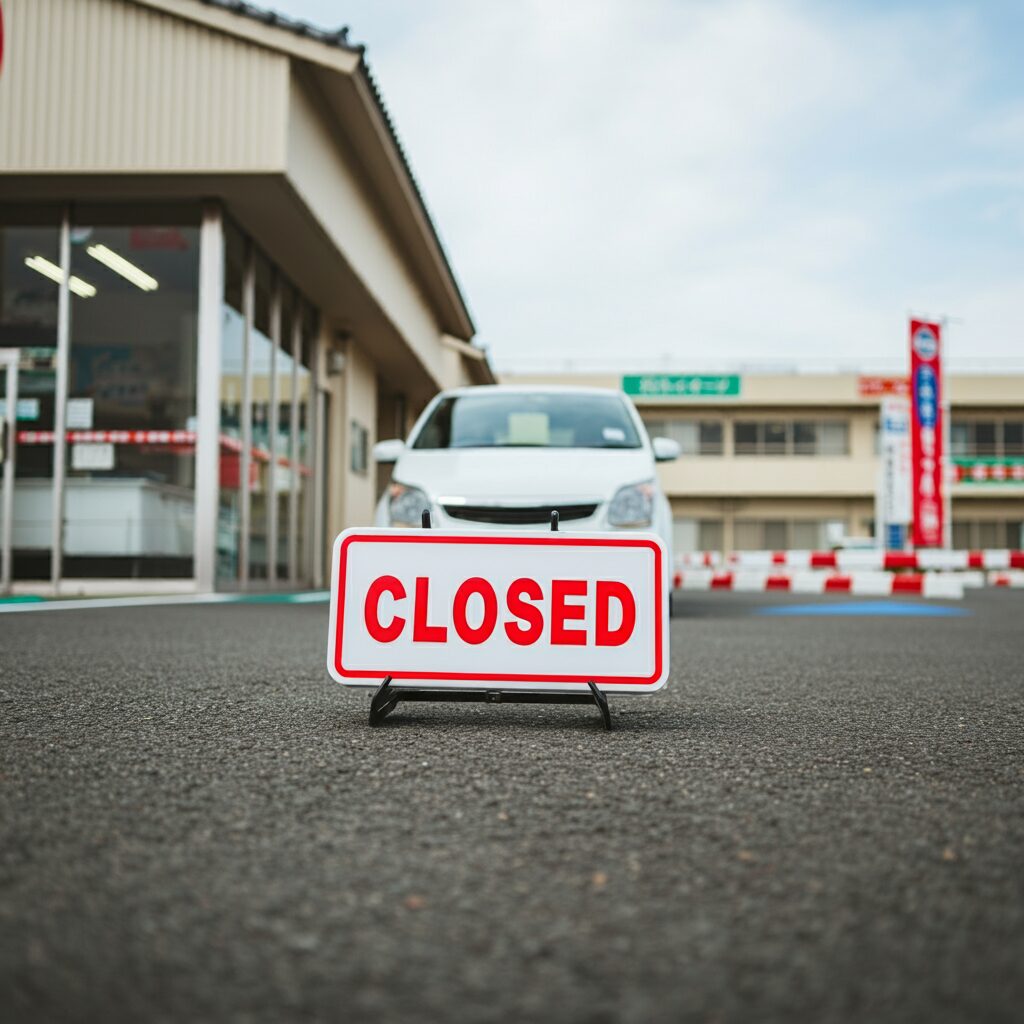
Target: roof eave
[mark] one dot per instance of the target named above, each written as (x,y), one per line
(457,319)
(296,39)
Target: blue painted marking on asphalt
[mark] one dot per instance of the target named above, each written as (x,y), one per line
(866,608)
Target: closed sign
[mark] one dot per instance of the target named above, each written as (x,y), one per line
(535,611)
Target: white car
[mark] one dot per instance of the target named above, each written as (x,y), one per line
(503,457)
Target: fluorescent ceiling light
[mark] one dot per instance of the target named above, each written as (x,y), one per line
(43,266)
(119,265)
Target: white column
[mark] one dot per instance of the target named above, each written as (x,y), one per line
(245,456)
(294,476)
(271,498)
(208,356)
(60,402)
(317,455)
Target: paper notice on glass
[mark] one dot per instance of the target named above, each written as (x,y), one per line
(94,456)
(79,414)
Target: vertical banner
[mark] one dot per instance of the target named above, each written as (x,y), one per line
(926,433)
(894,481)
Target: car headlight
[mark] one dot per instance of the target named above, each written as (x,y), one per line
(406,505)
(632,505)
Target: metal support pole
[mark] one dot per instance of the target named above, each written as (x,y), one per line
(294,476)
(317,460)
(245,455)
(60,403)
(208,383)
(317,452)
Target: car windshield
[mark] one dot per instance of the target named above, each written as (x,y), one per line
(529,420)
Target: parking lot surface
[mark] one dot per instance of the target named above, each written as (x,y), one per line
(820,818)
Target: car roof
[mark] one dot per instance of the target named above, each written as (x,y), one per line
(531,389)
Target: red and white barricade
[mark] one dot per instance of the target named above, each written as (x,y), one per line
(925,560)
(876,583)
(1009,578)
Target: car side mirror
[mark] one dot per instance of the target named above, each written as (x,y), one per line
(665,449)
(388,451)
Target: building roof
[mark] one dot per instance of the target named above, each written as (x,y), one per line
(338,37)
(333,50)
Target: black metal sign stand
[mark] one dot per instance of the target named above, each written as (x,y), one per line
(388,697)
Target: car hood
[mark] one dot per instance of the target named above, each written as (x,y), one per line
(519,475)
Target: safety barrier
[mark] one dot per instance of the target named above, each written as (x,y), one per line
(1013,578)
(927,560)
(874,583)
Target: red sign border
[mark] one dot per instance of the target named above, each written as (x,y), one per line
(427,537)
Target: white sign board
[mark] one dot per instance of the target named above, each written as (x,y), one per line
(92,456)
(79,414)
(499,611)
(27,409)
(895,452)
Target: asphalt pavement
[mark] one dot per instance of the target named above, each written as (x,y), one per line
(821,818)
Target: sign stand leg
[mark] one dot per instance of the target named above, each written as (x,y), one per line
(383,702)
(602,705)
(386,697)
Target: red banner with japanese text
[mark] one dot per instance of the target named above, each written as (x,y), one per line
(926,427)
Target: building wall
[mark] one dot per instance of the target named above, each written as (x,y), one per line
(126,89)
(361,412)
(726,500)
(329,183)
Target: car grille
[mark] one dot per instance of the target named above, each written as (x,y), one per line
(518,516)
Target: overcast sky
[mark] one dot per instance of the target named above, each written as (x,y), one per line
(664,182)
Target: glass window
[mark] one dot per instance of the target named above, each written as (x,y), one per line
(305,469)
(703,437)
(776,535)
(655,428)
(961,535)
(684,534)
(711,437)
(529,420)
(748,535)
(775,434)
(262,357)
(1015,534)
(990,535)
(29,275)
(231,372)
(745,438)
(710,535)
(285,473)
(960,438)
(1013,437)
(685,433)
(985,438)
(834,438)
(129,502)
(808,535)
(359,455)
(805,437)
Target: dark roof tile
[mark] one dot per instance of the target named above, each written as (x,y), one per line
(338,38)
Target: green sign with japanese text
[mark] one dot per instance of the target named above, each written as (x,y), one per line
(681,385)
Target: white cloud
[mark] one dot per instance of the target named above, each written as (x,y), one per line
(741,178)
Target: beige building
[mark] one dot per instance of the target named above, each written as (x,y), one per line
(219,284)
(788,461)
